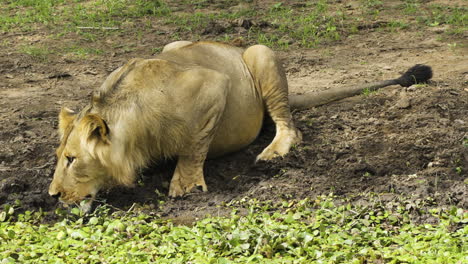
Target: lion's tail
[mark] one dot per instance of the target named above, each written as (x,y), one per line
(419,73)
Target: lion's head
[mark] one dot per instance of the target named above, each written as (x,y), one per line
(80,172)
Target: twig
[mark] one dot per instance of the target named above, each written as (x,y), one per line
(131,208)
(103,28)
(40,167)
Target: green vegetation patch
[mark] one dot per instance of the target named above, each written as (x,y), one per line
(310,25)
(27,15)
(277,24)
(37,52)
(325,230)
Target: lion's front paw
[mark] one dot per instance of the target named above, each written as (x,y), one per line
(176,189)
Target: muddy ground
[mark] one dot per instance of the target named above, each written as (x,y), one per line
(398,142)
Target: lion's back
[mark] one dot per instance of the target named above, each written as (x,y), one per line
(244,110)
(140,85)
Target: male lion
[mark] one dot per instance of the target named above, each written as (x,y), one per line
(191,101)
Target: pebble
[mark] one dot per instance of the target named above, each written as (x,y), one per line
(403,103)
(30,134)
(18,138)
(412,88)
(321,162)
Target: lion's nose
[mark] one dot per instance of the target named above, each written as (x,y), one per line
(54,191)
(55,195)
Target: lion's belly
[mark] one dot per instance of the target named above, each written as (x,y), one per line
(240,125)
(243,116)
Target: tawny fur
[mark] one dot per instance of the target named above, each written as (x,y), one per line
(134,143)
(191,101)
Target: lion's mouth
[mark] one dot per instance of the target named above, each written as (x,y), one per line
(84,204)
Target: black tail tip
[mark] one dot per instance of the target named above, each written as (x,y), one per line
(419,73)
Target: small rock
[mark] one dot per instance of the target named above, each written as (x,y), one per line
(30,134)
(436,163)
(403,103)
(413,87)
(321,162)
(18,139)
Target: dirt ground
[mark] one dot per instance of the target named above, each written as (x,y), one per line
(398,142)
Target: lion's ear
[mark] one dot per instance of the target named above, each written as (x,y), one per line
(66,116)
(93,127)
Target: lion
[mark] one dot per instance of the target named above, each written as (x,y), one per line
(193,101)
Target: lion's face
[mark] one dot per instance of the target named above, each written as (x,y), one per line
(79,173)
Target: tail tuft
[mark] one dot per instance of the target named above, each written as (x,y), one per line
(419,73)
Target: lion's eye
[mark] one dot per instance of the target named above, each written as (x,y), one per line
(70,160)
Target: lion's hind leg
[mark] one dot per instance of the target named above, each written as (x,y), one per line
(270,80)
